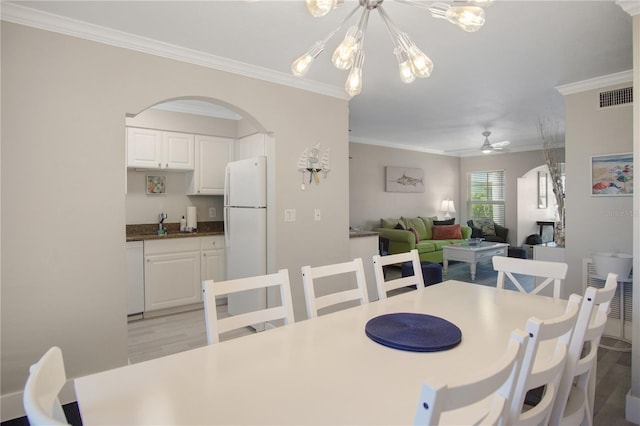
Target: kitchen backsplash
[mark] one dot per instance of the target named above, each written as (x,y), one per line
(142,208)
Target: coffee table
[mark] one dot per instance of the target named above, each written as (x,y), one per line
(472,253)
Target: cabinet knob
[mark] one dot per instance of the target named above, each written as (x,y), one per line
(204,254)
(160,165)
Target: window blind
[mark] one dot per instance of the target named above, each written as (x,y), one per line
(486,195)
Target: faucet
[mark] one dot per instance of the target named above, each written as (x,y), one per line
(161,217)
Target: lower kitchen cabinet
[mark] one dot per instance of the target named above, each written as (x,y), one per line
(171,273)
(174,270)
(213,264)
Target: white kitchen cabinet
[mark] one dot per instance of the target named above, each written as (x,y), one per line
(171,273)
(213,264)
(179,151)
(156,149)
(250,146)
(211,157)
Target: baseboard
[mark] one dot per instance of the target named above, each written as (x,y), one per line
(632,410)
(11,404)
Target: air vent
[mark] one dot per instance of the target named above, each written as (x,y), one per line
(616,97)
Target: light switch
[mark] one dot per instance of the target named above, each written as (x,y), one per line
(212,212)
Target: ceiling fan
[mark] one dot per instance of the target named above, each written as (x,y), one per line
(488,147)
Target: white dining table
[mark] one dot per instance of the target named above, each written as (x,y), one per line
(322,371)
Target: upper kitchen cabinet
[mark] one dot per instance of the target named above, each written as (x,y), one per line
(212,155)
(250,146)
(156,149)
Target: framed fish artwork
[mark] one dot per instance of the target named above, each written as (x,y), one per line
(404,179)
(612,175)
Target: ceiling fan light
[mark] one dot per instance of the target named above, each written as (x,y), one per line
(318,8)
(343,56)
(301,66)
(469,18)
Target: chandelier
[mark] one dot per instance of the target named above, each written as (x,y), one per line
(412,62)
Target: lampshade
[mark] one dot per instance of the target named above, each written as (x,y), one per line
(448,207)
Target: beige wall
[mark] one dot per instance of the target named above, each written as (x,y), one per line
(368,200)
(594,224)
(64,102)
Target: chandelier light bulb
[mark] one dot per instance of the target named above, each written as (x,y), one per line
(404,66)
(318,8)
(469,18)
(353,85)
(344,54)
(421,65)
(301,66)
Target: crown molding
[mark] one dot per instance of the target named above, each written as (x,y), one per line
(632,7)
(27,16)
(596,83)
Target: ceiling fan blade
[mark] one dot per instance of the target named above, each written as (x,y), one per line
(500,144)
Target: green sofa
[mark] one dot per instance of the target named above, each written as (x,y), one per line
(402,240)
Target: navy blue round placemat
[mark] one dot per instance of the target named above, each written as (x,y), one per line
(413,332)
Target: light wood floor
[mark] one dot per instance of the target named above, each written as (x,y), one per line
(157,337)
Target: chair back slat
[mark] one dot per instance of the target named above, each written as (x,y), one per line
(314,303)
(40,397)
(549,364)
(552,272)
(216,326)
(384,286)
(493,386)
(582,356)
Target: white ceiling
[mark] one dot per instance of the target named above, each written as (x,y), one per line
(501,78)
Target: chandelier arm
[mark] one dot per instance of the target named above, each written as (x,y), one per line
(340,25)
(414,3)
(392,29)
(362,26)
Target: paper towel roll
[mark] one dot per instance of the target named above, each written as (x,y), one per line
(192,220)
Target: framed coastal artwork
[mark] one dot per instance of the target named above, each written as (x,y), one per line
(404,179)
(156,185)
(612,175)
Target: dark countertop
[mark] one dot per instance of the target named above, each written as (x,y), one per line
(359,234)
(142,232)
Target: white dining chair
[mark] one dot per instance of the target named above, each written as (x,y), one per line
(485,399)
(40,397)
(384,286)
(216,326)
(552,272)
(544,360)
(315,303)
(573,403)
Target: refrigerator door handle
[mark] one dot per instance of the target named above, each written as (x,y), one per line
(227,185)
(227,228)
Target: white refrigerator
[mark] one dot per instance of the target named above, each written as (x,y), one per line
(245,228)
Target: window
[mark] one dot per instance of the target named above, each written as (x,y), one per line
(486,195)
